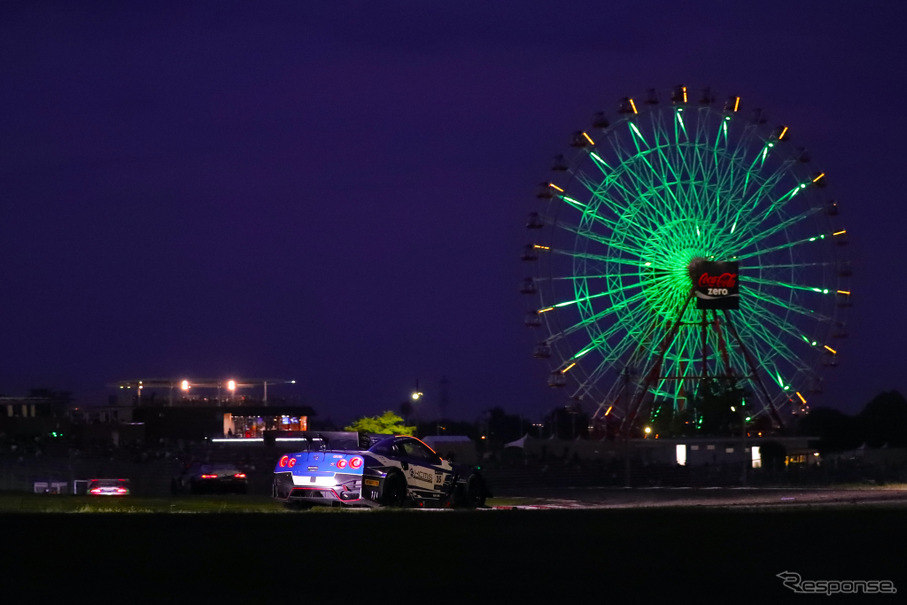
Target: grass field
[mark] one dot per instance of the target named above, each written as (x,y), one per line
(246,555)
(35,503)
(228,503)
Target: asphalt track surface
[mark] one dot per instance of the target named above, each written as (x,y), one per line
(548,547)
(728,498)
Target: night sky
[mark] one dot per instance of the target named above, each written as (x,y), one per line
(336,192)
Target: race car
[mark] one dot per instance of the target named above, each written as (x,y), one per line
(209,478)
(108,487)
(347,468)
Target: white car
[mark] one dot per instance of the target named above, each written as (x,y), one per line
(350,469)
(108,487)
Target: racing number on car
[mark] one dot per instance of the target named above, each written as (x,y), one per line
(427,478)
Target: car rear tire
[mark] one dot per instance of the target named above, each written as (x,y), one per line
(475,492)
(279,490)
(394,491)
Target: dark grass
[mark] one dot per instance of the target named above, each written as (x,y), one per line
(489,556)
(209,503)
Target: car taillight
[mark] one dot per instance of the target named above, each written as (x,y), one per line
(240,475)
(96,490)
(292,462)
(341,463)
(355,462)
(209,476)
(283,461)
(121,490)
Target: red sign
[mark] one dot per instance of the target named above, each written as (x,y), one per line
(722,280)
(717,285)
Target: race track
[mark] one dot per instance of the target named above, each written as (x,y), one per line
(618,498)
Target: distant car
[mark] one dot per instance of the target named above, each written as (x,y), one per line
(108,487)
(347,468)
(209,478)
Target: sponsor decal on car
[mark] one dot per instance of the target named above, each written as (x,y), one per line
(420,475)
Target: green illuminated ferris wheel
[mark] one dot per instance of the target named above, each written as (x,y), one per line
(628,218)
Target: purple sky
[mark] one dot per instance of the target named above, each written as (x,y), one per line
(336,192)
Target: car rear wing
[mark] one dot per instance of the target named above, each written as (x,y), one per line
(320,441)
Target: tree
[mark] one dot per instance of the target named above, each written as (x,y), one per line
(720,404)
(884,419)
(407,409)
(501,427)
(446,426)
(836,430)
(386,424)
(567,422)
(772,454)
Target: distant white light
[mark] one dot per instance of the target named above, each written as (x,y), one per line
(681,450)
(243,440)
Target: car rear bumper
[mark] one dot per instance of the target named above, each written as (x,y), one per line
(347,492)
(320,495)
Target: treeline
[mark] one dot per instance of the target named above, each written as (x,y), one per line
(881,423)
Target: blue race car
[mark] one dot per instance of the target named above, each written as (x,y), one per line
(347,468)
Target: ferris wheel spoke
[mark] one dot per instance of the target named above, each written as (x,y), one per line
(784,246)
(774,345)
(662,146)
(780,284)
(587,234)
(593,217)
(770,300)
(658,200)
(779,226)
(584,322)
(587,297)
(765,185)
(771,346)
(612,179)
(787,266)
(637,179)
(616,351)
(703,152)
(639,192)
(605,365)
(769,364)
(580,255)
(764,345)
(759,315)
(632,187)
(596,276)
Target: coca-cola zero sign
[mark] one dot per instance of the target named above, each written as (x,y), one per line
(717,285)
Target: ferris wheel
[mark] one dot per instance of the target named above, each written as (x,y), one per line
(643,203)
